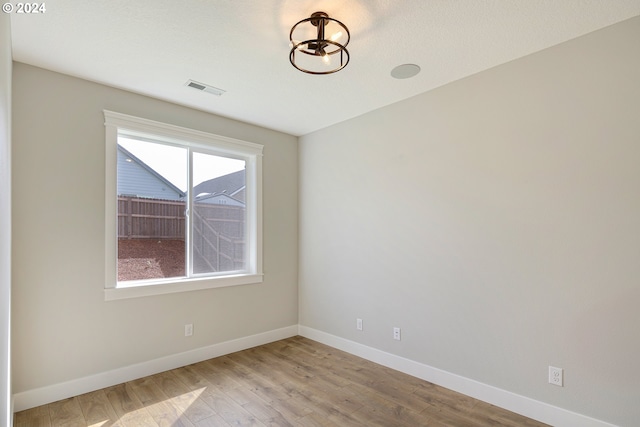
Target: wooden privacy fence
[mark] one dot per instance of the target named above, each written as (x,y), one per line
(218,230)
(218,238)
(140,218)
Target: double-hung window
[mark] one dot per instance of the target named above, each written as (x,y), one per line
(183,209)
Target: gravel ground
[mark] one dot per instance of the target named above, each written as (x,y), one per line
(150,259)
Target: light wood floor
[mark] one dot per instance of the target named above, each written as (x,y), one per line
(293,382)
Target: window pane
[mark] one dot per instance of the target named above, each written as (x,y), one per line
(152,181)
(219,214)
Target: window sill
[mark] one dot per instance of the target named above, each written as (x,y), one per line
(138,290)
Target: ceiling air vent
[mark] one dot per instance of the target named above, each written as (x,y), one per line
(204,87)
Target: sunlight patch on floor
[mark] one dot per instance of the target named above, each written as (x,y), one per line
(171,410)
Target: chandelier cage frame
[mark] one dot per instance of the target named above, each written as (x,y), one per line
(317,47)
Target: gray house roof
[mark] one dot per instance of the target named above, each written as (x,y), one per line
(232,185)
(136,178)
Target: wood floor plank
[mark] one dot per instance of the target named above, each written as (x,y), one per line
(229,410)
(122,399)
(170,384)
(147,391)
(259,408)
(325,397)
(274,394)
(128,407)
(167,415)
(213,421)
(316,420)
(318,404)
(66,413)
(35,417)
(136,418)
(277,361)
(189,376)
(188,402)
(382,417)
(97,409)
(216,375)
(158,404)
(436,395)
(398,413)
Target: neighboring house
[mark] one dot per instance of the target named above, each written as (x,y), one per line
(140,180)
(137,179)
(218,199)
(232,185)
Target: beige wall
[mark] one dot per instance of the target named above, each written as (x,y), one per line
(5,219)
(62,327)
(496,220)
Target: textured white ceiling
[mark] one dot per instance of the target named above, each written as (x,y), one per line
(153,47)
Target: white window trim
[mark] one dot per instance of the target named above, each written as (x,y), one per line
(115,122)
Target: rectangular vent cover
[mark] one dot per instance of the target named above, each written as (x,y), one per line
(204,87)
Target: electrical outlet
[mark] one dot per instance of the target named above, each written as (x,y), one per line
(555,376)
(359,324)
(188,329)
(396,334)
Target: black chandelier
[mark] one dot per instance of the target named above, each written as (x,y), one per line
(313,53)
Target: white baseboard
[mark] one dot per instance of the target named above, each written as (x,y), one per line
(522,405)
(41,396)
(531,408)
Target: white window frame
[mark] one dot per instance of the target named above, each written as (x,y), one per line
(122,124)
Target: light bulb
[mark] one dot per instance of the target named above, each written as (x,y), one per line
(325,58)
(336,36)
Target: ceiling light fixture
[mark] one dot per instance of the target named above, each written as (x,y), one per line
(316,54)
